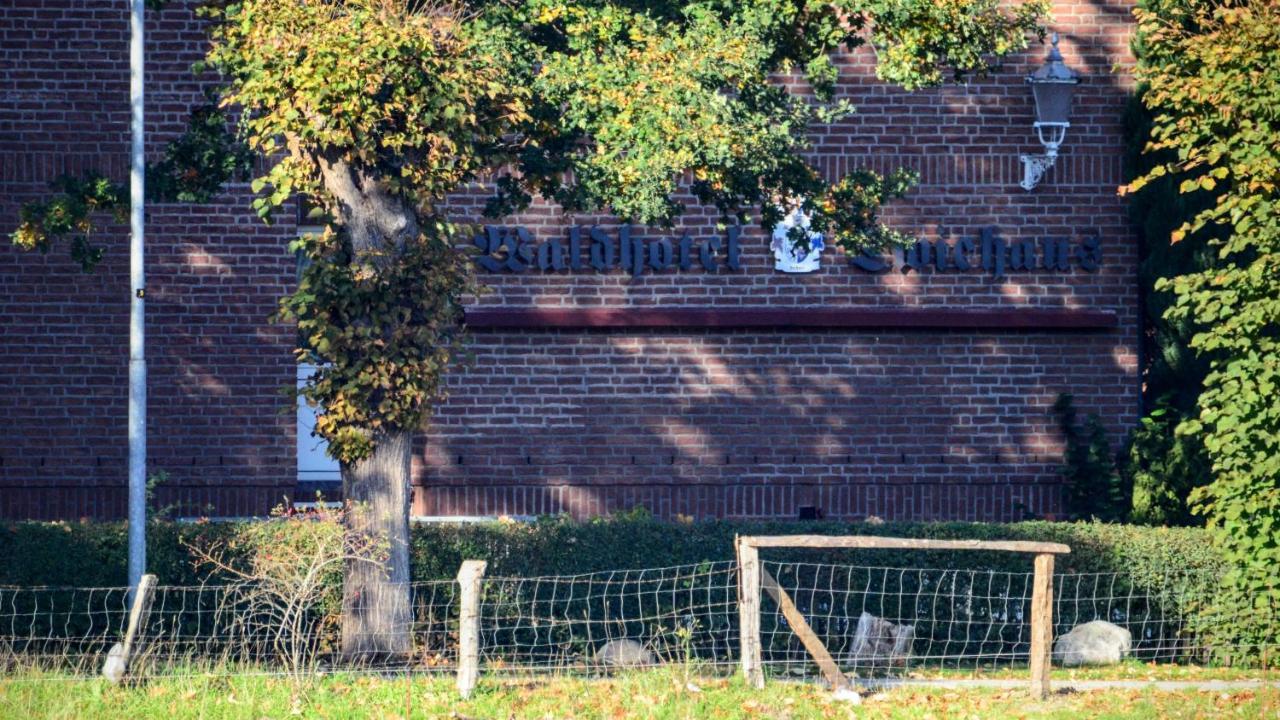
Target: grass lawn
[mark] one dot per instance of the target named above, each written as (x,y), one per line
(1127,670)
(660,693)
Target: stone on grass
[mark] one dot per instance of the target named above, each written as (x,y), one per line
(877,641)
(624,654)
(847,695)
(1093,643)
(114,668)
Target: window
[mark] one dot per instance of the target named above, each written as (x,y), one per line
(317,472)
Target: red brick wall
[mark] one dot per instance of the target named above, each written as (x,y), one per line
(214,276)
(884,421)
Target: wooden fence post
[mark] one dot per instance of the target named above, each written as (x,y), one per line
(749,582)
(469,577)
(139,611)
(1041,625)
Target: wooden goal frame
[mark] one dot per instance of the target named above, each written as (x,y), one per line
(753,578)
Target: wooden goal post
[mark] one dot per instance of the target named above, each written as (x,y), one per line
(753,578)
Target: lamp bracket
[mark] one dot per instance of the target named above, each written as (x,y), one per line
(1051,135)
(1034,168)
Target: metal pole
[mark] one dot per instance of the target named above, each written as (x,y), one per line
(137,282)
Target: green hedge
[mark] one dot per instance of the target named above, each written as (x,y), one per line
(94,554)
(1165,574)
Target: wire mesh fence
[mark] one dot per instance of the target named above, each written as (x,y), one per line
(218,628)
(875,621)
(600,621)
(881,620)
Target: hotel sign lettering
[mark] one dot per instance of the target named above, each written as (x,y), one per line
(505,249)
(989,252)
(593,249)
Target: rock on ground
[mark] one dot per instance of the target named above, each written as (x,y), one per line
(1093,643)
(877,640)
(624,653)
(114,668)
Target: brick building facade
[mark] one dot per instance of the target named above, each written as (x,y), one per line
(920,389)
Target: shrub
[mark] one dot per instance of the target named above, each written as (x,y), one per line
(95,554)
(1164,467)
(1156,566)
(1095,490)
(283,581)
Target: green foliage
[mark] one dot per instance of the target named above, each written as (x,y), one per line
(369,108)
(381,341)
(418,100)
(375,111)
(1095,490)
(95,554)
(69,213)
(1210,70)
(194,167)
(1165,466)
(1175,568)
(88,554)
(916,40)
(631,100)
(198,163)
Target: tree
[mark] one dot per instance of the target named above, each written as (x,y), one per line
(1211,74)
(376,110)
(1162,465)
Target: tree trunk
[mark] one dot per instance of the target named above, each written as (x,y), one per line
(377,617)
(376,611)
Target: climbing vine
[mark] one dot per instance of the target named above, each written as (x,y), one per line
(381,341)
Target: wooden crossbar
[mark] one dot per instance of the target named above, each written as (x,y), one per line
(800,626)
(873,542)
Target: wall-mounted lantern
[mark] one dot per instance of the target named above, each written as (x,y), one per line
(1052,87)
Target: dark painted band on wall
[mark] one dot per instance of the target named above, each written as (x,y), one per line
(852,318)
